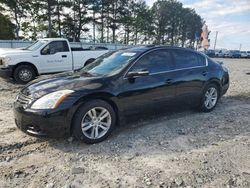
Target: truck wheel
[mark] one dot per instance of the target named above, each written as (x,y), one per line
(24,74)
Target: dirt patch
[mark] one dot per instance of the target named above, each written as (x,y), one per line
(175,148)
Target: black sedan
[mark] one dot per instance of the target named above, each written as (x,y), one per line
(90,103)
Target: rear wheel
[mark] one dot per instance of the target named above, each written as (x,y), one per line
(24,74)
(94,121)
(210,98)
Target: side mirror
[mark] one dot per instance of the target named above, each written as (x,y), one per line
(137,73)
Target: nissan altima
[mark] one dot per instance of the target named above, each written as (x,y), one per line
(91,102)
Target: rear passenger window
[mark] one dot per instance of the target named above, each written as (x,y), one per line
(187,59)
(201,60)
(154,62)
(58,46)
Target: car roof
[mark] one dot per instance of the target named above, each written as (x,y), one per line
(145,48)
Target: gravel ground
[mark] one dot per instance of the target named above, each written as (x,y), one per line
(177,148)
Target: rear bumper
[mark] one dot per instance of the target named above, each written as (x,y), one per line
(225,83)
(225,88)
(6,72)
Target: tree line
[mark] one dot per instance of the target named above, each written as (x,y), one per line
(111,21)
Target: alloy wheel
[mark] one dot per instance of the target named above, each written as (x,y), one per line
(211,97)
(96,123)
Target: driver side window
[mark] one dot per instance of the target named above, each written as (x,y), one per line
(155,62)
(55,47)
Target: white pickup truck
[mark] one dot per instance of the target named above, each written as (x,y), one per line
(50,55)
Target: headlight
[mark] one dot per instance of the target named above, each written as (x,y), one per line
(3,62)
(51,100)
(6,59)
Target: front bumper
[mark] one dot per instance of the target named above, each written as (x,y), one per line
(6,72)
(41,122)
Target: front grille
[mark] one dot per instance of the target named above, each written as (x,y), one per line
(23,100)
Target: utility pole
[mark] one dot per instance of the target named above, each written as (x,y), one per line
(240,46)
(215,40)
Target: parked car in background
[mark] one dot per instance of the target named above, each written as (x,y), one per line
(50,55)
(220,52)
(243,54)
(233,54)
(90,103)
(236,54)
(216,53)
(210,53)
(227,53)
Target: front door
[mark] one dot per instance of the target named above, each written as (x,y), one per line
(152,90)
(55,57)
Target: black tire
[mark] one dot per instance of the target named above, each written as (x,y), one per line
(20,71)
(203,107)
(81,113)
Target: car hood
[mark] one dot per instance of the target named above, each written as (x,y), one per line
(68,80)
(12,51)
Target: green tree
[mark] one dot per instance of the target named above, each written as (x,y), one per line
(75,22)
(101,19)
(58,14)
(174,24)
(6,32)
(141,25)
(126,21)
(17,10)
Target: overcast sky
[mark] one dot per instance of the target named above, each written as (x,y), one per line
(231,18)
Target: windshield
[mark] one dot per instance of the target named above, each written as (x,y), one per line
(110,63)
(36,45)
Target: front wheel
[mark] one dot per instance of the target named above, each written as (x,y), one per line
(210,98)
(24,74)
(94,121)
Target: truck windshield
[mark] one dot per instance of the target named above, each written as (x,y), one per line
(110,63)
(36,45)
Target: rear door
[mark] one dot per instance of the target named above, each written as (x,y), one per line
(55,57)
(191,74)
(149,91)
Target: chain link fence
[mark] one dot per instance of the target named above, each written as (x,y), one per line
(21,44)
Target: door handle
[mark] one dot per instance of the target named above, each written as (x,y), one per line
(168,81)
(204,73)
(63,56)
